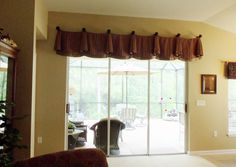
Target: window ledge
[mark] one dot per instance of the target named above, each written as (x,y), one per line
(231,134)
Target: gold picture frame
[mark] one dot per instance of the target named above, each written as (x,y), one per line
(208,84)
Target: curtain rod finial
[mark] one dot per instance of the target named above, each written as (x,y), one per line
(156,33)
(200,35)
(58,28)
(109,31)
(178,35)
(83,29)
(133,32)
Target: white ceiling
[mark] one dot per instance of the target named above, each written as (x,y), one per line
(219,13)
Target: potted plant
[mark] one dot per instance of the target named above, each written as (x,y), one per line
(71,127)
(9,136)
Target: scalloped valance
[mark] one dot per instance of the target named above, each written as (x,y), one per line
(102,45)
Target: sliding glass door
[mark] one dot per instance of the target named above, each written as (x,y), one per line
(88,96)
(167,107)
(127,107)
(128,94)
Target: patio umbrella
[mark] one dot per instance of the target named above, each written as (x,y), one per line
(126,70)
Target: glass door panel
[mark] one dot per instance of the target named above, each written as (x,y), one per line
(167,116)
(129,85)
(88,95)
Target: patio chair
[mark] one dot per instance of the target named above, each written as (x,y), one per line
(100,135)
(128,115)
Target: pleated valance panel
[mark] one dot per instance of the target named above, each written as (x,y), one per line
(102,45)
(231,70)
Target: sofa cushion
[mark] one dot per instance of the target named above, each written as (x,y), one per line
(73,158)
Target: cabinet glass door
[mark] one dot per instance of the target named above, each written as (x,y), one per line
(3,77)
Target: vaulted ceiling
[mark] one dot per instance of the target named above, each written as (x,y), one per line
(219,13)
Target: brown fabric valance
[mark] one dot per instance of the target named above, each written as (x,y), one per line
(101,45)
(231,70)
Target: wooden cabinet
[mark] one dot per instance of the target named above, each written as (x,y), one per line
(7,50)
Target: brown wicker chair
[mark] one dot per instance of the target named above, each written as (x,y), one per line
(100,135)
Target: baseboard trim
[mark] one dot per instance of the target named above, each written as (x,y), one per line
(212,152)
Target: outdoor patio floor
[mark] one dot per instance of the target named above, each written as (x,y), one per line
(166,137)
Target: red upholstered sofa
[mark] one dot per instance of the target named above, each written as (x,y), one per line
(73,158)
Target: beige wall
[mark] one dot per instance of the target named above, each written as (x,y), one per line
(218,46)
(17,19)
(41,19)
(50,97)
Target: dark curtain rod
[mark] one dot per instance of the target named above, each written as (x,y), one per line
(132,33)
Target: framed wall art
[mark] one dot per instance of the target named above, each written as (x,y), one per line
(208,84)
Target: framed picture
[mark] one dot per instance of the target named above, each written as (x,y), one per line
(208,84)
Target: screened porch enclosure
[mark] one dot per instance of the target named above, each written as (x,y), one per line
(147,96)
